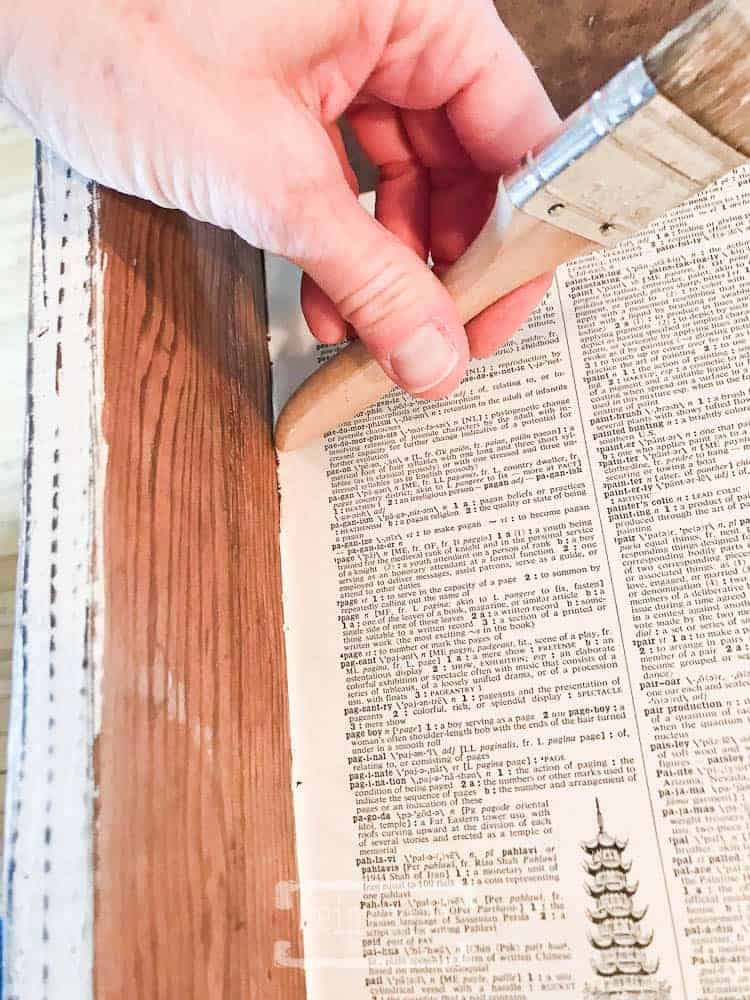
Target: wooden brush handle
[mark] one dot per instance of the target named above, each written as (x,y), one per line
(496,263)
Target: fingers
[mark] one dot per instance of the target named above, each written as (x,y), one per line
(380,132)
(462,199)
(459,54)
(371,273)
(455,57)
(321,315)
(325,321)
(494,327)
(399,308)
(503,111)
(403,207)
(433,140)
(461,204)
(403,193)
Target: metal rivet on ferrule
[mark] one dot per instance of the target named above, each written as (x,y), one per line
(556,208)
(606,228)
(630,89)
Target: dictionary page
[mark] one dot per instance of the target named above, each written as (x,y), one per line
(518,636)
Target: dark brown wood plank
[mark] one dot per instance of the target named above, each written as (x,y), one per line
(577,45)
(194,814)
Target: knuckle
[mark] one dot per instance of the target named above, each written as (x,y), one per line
(388,293)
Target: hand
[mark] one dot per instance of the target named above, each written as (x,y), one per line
(228,111)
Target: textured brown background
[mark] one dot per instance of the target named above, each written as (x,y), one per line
(577,45)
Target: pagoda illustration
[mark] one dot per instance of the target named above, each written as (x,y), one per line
(625,969)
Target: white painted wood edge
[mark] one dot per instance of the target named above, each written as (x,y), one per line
(50,794)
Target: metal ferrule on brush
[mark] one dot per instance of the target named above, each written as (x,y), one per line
(609,107)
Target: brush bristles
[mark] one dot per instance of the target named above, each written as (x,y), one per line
(704,68)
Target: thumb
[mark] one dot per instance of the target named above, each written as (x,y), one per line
(398,307)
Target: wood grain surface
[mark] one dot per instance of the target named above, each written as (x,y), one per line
(195,822)
(577,45)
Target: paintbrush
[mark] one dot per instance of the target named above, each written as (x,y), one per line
(666,126)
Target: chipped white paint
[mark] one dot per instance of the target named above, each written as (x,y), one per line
(49,893)
(159,688)
(16,185)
